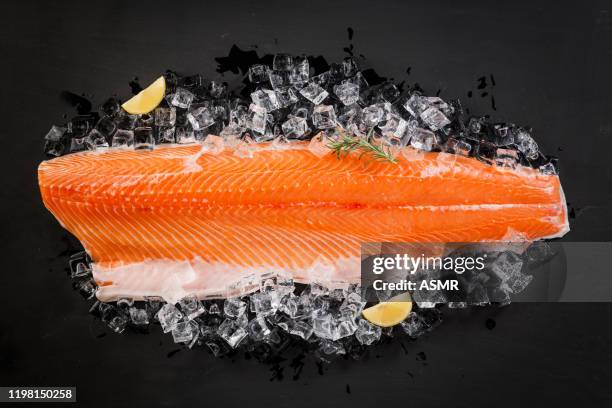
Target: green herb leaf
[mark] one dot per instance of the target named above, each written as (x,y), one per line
(347,144)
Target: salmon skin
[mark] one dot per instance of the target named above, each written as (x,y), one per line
(181,219)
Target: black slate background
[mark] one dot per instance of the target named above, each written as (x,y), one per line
(551,61)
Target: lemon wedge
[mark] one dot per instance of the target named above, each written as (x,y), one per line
(389,313)
(147,99)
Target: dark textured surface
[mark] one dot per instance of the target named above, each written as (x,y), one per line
(551,63)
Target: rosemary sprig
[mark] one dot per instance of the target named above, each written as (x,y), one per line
(347,144)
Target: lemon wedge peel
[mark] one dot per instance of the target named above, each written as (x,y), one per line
(389,313)
(147,99)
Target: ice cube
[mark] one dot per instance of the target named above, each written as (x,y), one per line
(123,138)
(125,120)
(86,287)
(214,309)
(165,134)
(394,129)
(80,269)
(282,62)
(259,122)
(320,303)
(346,326)
(182,98)
(508,268)
(279,78)
(349,67)
(267,286)
(184,135)
(301,328)
(302,109)
(231,332)
(106,126)
(434,118)
(321,80)
(347,92)
(387,92)
(111,107)
(415,105)
(548,169)
(367,333)
(217,89)
(414,326)
(286,97)
(422,139)
(201,118)
(234,307)
(331,348)
(500,296)
(168,317)
(153,305)
(322,324)
(317,289)
(314,93)
(373,114)
(324,117)
(81,125)
(190,82)
(289,305)
(125,303)
(258,73)
(299,73)
(239,115)
(477,294)
(263,304)
(475,125)
(295,127)
(285,286)
(139,317)
(353,302)
(504,135)
(165,116)
(118,323)
(538,252)
(55,133)
(143,138)
(185,331)
(457,146)
(191,306)
(351,119)
(242,320)
(258,329)
(95,140)
(527,145)
(265,99)
(428,298)
(506,158)
(55,148)
(215,348)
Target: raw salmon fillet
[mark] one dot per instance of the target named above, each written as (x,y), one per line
(180,219)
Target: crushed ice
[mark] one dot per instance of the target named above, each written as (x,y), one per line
(290,101)
(280,312)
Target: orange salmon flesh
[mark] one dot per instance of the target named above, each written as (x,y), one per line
(179,219)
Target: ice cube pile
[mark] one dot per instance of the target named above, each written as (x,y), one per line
(290,101)
(280,314)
